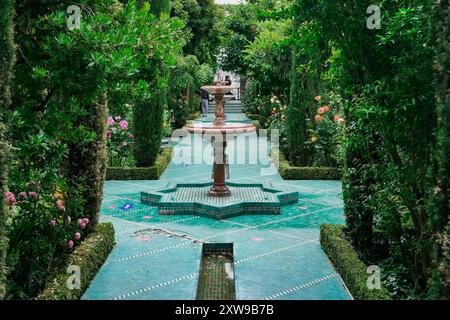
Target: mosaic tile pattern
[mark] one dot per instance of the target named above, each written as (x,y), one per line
(193,198)
(275,256)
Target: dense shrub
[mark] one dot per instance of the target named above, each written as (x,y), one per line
(348,264)
(7,59)
(89,257)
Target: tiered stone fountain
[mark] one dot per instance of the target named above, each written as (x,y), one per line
(217,199)
(219,131)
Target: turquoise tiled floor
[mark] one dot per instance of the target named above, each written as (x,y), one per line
(276,257)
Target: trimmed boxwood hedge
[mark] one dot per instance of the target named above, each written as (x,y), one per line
(89,256)
(194,116)
(289,172)
(348,264)
(258,117)
(148,173)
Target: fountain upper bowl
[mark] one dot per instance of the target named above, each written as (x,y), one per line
(219,89)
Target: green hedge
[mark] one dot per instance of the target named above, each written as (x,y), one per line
(289,172)
(89,256)
(253,116)
(348,264)
(194,116)
(148,173)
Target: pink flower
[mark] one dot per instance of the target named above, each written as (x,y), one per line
(22,195)
(79,221)
(318,118)
(11,198)
(131,136)
(110,121)
(317,98)
(123,124)
(83,225)
(274,112)
(70,244)
(118,118)
(341,121)
(55,196)
(326,108)
(69,219)
(33,195)
(85,220)
(52,223)
(320,111)
(60,205)
(336,118)
(77,236)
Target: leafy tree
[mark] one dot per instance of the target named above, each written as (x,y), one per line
(149,109)
(202,28)
(61,87)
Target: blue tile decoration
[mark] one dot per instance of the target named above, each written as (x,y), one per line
(275,256)
(193,198)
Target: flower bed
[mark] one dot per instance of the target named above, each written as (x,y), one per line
(88,257)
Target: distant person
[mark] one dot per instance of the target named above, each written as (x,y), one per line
(227,81)
(204,103)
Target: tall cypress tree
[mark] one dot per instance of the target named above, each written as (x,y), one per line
(439,201)
(149,113)
(7,59)
(86,165)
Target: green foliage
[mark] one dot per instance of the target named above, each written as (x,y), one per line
(89,257)
(7,59)
(185,79)
(438,204)
(348,264)
(386,79)
(158,7)
(120,142)
(202,30)
(42,229)
(62,85)
(240,26)
(146,173)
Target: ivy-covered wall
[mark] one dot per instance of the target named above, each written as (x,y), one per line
(7,59)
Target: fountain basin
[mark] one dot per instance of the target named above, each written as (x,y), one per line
(244,198)
(218,90)
(229,129)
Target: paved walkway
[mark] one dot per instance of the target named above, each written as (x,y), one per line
(276,257)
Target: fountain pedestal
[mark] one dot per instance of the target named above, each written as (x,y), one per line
(219,189)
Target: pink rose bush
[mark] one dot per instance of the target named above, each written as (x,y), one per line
(56,227)
(120,141)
